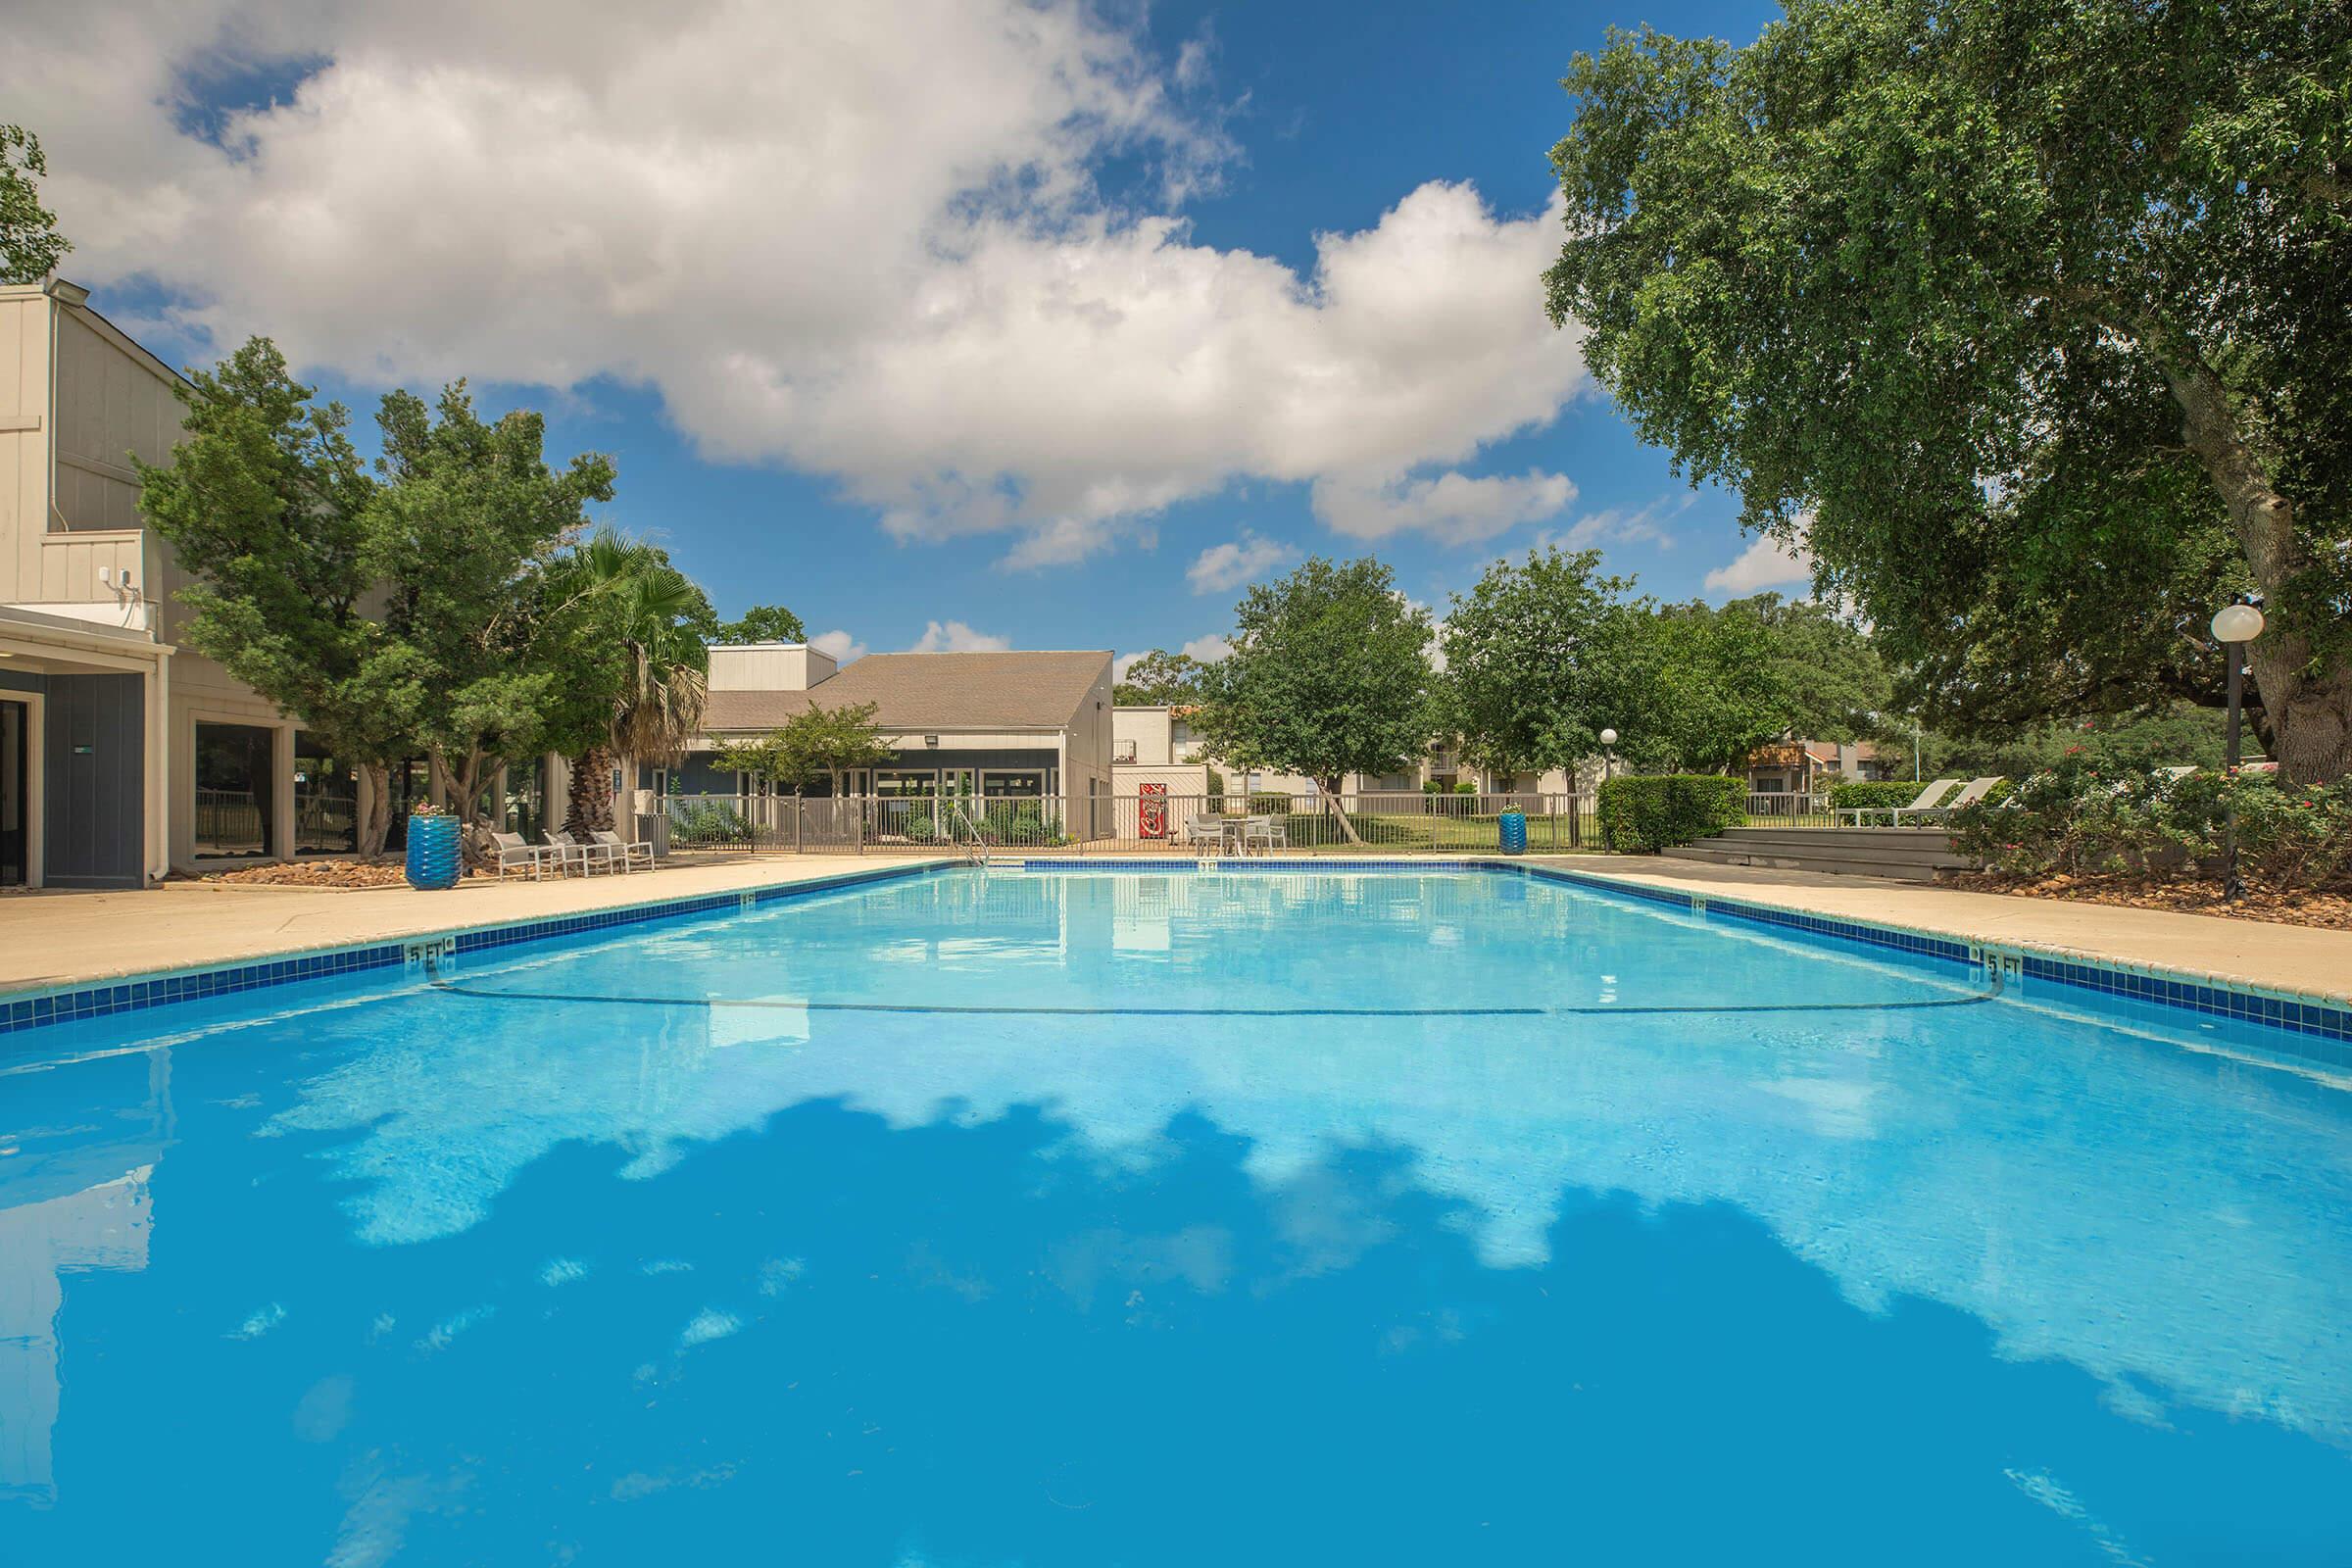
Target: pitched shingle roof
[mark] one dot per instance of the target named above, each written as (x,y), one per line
(932,691)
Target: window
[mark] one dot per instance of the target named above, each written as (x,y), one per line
(411,785)
(1010,785)
(235,806)
(526,799)
(327,800)
(897,783)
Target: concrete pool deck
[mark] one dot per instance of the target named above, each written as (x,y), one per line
(2247,952)
(57,939)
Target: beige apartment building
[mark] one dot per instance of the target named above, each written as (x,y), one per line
(1011,726)
(122,756)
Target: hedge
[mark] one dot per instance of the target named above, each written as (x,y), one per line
(1642,816)
(1879,797)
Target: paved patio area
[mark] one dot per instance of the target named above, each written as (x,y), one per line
(2284,958)
(55,938)
(49,939)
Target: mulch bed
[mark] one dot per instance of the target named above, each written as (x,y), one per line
(312,874)
(2329,910)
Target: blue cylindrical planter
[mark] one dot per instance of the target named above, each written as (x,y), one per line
(1515,831)
(432,852)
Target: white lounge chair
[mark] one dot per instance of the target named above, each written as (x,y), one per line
(624,852)
(513,852)
(566,852)
(1978,789)
(1926,797)
(592,855)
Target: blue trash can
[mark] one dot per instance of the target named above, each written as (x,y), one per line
(1515,831)
(432,852)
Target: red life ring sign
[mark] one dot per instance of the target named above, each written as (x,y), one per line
(1152,811)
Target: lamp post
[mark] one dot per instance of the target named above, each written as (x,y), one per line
(1608,756)
(2235,626)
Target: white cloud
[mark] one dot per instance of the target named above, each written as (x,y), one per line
(1766,562)
(954,637)
(1221,568)
(1452,506)
(885,263)
(1208,650)
(1615,525)
(840,644)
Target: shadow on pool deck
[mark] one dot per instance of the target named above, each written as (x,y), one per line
(832,1341)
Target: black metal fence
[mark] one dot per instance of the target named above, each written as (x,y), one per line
(1262,822)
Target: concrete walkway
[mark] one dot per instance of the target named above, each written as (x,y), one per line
(60,938)
(2258,953)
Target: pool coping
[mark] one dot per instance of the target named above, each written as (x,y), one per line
(2302,1012)
(2316,1016)
(41,1006)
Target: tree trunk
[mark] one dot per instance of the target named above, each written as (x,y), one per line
(376,824)
(465,792)
(2313,728)
(1330,799)
(2310,718)
(590,808)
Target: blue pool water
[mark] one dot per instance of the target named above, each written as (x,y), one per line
(991,1218)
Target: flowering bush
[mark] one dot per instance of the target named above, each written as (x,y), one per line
(2080,818)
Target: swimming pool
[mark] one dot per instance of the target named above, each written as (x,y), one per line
(1145,1217)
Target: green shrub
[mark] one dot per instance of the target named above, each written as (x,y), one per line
(707,823)
(1642,816)
(1859,796)
(2081,819)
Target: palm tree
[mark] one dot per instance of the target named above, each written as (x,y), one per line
(658,708)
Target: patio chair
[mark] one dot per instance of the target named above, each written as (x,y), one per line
(1978,789)
(624,850)
(567,850)
(1264,833)
(513,852)
(1203,829)
(592,855)
(1926,797)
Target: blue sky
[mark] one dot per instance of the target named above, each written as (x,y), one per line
(816,371)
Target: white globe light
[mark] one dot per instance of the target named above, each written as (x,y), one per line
(2238,624)
(1609,737)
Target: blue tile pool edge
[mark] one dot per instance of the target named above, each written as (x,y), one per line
(41,1007)
(2297,1012)
(2291,1011)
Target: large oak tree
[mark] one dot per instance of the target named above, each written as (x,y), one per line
(2032,318)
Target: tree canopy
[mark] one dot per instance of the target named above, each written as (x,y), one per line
(2033,320)
(1716,689)
(465,530)
(1329,675)
(1160,679)
(816,743)
(762,623)
(31,247)
(1835,686)
(264,503)
(1540,656)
